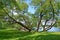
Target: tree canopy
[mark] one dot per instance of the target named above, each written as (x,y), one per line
(16,11)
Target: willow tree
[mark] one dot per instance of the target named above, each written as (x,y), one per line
(18,7)
(16,11)
(46,10)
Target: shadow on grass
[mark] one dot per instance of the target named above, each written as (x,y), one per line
(42,37)
(12,34)
(48,37)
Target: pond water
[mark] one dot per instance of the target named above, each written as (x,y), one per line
(54,29)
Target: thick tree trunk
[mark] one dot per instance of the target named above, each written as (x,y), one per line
(39,22)
(44,29)
(24,26)
(18,22)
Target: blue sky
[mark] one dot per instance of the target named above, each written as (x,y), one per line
(30,9)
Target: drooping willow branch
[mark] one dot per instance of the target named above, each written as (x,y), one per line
(15,19)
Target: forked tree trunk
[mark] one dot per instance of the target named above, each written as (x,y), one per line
(39,22)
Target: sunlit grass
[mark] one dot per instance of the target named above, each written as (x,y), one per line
(18,35)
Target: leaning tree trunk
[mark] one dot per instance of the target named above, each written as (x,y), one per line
(39,22)
(44,29)
(17,21)
(49,27)
(52,17)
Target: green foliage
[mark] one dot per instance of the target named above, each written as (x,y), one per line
(0,24)
(20,7)
(58,23)
(36,2)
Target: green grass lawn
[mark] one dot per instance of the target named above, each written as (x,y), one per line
(16,35)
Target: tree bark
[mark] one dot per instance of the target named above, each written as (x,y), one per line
(51,26)
(39,22)
(17,21)
(44,29)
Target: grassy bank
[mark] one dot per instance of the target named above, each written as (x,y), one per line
(16,35)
